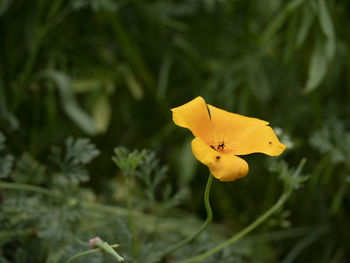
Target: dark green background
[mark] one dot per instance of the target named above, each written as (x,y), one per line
(111,71)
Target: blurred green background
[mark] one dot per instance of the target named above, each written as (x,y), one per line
(111,71)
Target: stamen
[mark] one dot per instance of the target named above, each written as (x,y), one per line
(221,146)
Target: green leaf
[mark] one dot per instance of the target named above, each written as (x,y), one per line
(131,52)
(128,161)
(102,112)
(96,6)
(293,178)
(4,112)
(132,83)
(187,163)
(4,6)
(308,17)
(6,163)
(86,85)
(2,141)
(327,28)
(256,78)
(28,170)
(317,68)
(80,151)
(291,33)
(163,77)
(75,174)
(70,104)
(279,20)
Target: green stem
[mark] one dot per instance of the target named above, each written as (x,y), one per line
(109,209)
(27,69)
(47,192)
(27,187)
(29,64)
(104,246)
(88,252)
(244,232)
(131,219)
(167,225)
(203,227)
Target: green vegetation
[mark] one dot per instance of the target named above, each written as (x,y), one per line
(82,82)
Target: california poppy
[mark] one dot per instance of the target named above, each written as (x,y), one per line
(221,135)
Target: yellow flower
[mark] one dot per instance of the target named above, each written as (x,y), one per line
(221,135)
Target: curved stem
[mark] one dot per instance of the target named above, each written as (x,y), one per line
(202,228)
(244,232)
(88,252)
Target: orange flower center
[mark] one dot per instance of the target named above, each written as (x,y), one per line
(220,146)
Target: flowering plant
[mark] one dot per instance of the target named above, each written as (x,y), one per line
(221,135)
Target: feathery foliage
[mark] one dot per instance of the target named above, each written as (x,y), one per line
(111,70)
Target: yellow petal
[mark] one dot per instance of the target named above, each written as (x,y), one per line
(225,167)
(194,116)
(262,139)
(244,135)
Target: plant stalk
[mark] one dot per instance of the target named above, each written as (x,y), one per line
(88,252)
(202,228)
(131,218)
(284,197)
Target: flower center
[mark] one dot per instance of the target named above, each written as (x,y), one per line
(221,146)
(220,143)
